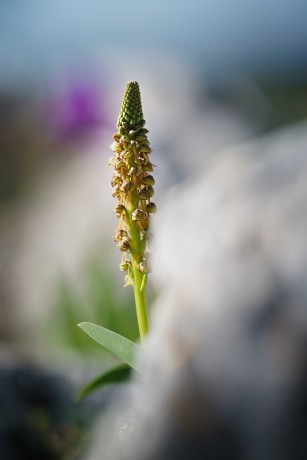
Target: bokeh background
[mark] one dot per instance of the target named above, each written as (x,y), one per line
(213,75)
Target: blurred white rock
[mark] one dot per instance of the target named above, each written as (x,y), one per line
(225,362)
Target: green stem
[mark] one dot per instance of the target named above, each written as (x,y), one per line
(140,300)
(139,279)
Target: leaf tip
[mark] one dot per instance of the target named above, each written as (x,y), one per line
(82,324)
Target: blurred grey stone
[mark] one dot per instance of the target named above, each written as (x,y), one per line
(226,360)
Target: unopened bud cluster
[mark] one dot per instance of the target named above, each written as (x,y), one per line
(132,180)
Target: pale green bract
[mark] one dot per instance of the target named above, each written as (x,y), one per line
(121,347)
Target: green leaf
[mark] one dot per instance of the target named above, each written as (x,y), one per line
(117,344)
(116,375)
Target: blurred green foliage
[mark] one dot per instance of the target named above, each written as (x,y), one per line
(103,301)
(288,101)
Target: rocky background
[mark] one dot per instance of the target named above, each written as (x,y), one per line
(226,359)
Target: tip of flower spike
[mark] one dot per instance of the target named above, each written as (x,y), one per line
(132,83)
(131,109)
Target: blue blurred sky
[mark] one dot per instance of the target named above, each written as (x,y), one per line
(37,36)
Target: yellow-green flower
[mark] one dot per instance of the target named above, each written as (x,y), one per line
(133,187)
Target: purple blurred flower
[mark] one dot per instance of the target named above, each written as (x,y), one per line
(77,111)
